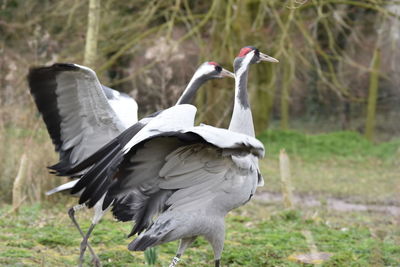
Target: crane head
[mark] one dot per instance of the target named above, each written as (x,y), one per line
(254,55)
(212,70)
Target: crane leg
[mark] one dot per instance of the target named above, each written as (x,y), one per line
(183,245)
(71,213)
(175,260)
(217,242)
(85,244)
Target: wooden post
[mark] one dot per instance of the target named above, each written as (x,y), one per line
(92,33)
(18,184)
(286,184)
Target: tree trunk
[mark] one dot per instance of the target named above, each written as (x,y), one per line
(263,97)
(92,33)
(372,95)
(262,108)
(285,95)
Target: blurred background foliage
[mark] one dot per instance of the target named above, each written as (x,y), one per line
(331,52)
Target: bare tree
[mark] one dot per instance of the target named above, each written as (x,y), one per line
(92,33)
(372,95)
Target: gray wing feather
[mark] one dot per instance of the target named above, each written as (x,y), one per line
(184,180)
(196,177)
(123,105)
(145,165)
(208,173)
(196,195)
(88,120)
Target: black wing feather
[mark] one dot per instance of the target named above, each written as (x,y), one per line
(43,85)
(104,164)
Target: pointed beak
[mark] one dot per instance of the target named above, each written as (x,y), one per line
(226,73)
(264,57)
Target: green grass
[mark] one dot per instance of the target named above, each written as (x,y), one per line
(339,164)
(347,145)
(257,235)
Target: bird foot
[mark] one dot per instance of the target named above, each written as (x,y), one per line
(96,262)
(175,260)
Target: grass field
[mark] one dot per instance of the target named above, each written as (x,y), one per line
(341,165)
(257,235)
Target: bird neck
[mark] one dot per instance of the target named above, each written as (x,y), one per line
(242,119)
(191,89)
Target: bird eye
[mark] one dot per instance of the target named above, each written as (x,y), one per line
(218,68)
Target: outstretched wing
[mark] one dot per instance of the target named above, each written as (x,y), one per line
(174,171)
(124,106)
(112,161)
(106,161)
(75,108)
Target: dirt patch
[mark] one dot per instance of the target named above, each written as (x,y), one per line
(332,203)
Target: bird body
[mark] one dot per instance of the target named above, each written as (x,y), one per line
(198,208)
(208,179)
(205,183)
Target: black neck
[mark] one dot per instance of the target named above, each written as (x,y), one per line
(191,89)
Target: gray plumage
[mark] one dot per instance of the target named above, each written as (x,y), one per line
(205,182)
(81,114)
(88,120)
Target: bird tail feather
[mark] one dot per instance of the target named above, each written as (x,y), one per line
(142,243)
